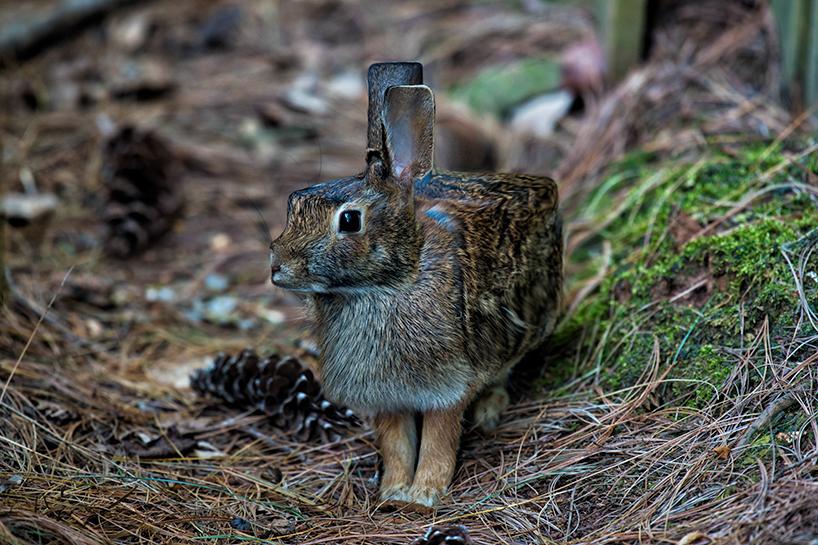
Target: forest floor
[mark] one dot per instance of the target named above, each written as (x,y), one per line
(676,403)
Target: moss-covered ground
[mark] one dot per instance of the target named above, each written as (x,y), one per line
(699,263)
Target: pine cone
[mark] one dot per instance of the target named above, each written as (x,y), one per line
(445,535)
(282,388)
(140,172)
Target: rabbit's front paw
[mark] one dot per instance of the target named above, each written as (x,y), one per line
(424,498)
(395,494)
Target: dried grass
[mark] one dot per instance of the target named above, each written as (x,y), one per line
(579,468)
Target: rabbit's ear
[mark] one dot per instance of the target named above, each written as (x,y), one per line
(408,121)
(382,76)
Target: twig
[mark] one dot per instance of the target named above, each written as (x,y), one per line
(23,39)
(780,404)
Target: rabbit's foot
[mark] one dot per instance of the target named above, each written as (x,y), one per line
(424,498)
(395,495)
(489,406)
(397,435)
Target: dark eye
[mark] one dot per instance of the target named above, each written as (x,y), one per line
(349,221)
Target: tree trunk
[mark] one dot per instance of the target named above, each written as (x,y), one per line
(622,26)
(797,23)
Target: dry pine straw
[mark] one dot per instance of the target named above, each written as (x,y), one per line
(582,468)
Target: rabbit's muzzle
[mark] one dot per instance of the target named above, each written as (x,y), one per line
(282,274)
(293,273)
(275,273)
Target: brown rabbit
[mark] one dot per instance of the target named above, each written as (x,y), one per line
(425,287)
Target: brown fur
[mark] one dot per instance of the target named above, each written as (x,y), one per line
(398,439)
(438,453)
(452,279)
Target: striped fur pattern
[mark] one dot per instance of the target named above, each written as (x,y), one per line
(451,283)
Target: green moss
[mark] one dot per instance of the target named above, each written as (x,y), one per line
(497,89)
(710,369)
(697,263)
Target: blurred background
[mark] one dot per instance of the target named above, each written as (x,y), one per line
(143,142)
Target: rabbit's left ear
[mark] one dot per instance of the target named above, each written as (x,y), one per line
(408,121)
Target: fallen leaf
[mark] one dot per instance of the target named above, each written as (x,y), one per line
(206,451)
(176,373)
(722,451)
(695,538)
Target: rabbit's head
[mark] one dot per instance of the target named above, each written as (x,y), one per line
(360,233)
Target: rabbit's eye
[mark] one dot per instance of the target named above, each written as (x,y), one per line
(349,221)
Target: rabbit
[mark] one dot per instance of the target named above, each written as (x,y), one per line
(425,287)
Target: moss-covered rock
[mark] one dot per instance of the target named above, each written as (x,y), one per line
(698,268)
(497,89)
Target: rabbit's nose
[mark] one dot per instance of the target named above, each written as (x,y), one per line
(275,267)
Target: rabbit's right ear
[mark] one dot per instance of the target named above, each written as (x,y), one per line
(408,123)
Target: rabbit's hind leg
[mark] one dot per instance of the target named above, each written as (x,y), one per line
(490,404)
(397,438)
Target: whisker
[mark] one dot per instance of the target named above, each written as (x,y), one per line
(263,226)
(320,158)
